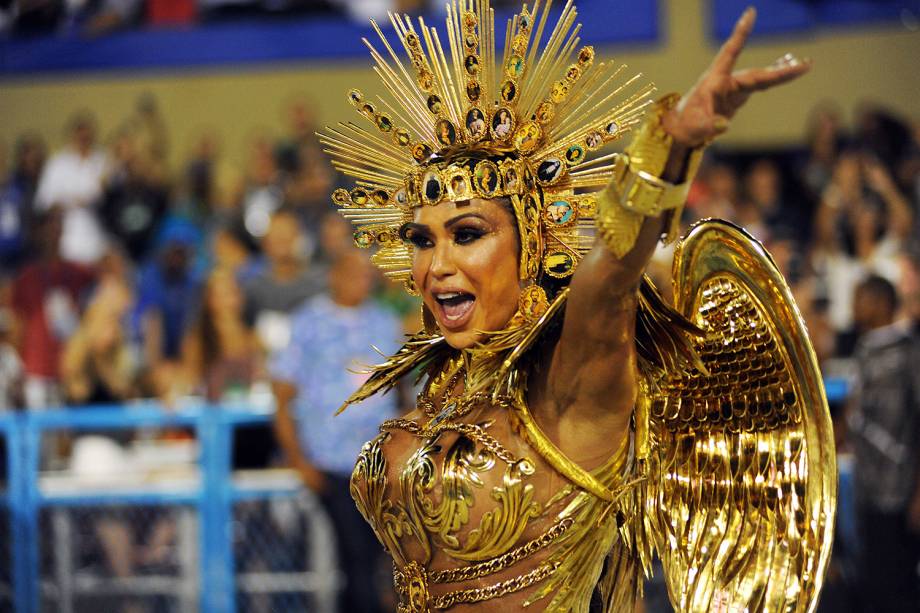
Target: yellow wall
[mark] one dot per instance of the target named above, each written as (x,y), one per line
(850,66)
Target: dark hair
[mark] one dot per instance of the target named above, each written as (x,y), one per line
(880,288)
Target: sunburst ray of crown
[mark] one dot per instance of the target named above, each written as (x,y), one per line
(469,127)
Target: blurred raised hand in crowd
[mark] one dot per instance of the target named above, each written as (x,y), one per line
(98,365)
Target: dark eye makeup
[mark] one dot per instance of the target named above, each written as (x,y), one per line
(463,234)
(414,236)
(467,235)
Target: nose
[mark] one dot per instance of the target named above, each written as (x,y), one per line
(442,261)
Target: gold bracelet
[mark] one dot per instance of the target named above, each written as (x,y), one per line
(637,192)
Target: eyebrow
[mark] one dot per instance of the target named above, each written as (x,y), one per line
(419,227)
(455,220)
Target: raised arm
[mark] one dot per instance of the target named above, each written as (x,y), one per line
(591,387)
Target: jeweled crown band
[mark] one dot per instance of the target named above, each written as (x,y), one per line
(457,181)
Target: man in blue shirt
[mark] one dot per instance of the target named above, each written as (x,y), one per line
(331,337)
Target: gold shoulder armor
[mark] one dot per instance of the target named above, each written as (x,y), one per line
(740,493)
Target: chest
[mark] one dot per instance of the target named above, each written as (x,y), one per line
(447,491)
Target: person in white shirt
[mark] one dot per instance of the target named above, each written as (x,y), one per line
(74,179)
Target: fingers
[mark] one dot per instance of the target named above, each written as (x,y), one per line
(759,79)
(727,56)
(720,125)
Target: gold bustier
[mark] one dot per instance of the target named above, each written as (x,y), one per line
(470,513)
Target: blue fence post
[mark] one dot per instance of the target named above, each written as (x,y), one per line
(15,491)
(24,445)
(218,591)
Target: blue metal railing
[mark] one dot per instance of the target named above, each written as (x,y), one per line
(213,496)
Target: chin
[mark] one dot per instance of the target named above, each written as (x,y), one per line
(461,339)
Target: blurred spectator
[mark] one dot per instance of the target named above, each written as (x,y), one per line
(16,198)
(171,12)
(7,15)
(168,298)
(106,16)
(263,194)
(287,281)
(881,133)
(34,17)
(198,192)
(909,172)
(229,250)
(136,197)
(150,129)
(243,9)
(332,334)
(74,179)
(47,297)
(824,138)
(308,174)
(335,240)
(718,193)
(763,211)
(860,225)
(97,363)
(220,349)
(221,352)
(884,422)
(873,298)
(10,367)
(909,286)
(301,133)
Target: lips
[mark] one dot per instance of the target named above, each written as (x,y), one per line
(455,308)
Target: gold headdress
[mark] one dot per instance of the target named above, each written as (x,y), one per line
(466,126)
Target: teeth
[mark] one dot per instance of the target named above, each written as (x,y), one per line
(448,295)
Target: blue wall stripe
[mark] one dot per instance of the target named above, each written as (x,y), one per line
(604,22)
(778,17)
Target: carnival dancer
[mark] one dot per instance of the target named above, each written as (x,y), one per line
(571,423)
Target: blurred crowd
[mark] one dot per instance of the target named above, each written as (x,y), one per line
(125,275)
(92,18)
(123,279)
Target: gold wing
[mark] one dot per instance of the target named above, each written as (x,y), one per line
(740,493)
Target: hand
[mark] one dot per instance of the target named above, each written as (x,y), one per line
(704,112)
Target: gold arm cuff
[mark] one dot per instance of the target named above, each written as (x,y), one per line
(637,192)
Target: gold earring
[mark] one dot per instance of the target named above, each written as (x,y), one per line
(533,303)
(411,287)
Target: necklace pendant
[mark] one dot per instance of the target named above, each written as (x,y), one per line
(445,414)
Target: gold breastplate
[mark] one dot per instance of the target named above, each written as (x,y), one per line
(471,514)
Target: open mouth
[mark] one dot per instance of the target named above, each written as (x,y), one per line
(455,308)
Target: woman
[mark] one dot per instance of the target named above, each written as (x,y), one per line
(539,466)
(219,349)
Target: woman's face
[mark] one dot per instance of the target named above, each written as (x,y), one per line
(466,266)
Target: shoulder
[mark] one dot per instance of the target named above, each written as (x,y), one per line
(310,309)
(62,158)
(898,334)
